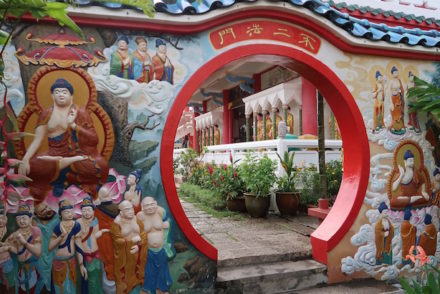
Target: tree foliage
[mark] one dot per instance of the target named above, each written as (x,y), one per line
(426,97)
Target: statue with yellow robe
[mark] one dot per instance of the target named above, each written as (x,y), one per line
(408,233)
(216,135)
(129,248)
(428,239)
(383,235)
(290,121)
(269,135)
(260,129)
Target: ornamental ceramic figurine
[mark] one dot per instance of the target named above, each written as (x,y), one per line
(72,157)
(428,238)
(129,249)
(6,265)
(106,212)
(397,106)
(156,225)
(64,240)
(142,65)
(408,233)
(47,219)
(121,61)
(379,97)
(163,68)
(282,129)
(216,135)
(134,192)
(89,234)
(409,182)
(383,235)
(25,244)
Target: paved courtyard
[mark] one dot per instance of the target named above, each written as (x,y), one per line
(252,240)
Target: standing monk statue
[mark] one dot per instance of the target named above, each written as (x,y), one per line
(121,61)
(157,273)
(65,239)
(72,157)
(163,68)
(142,64)
(397,107)
(25,244)
(129,249)
(379,96)
(89,234)
(106,211)
(6,264)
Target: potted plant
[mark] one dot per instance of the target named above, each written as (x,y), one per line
(234,190)
(287,197)
(258,176)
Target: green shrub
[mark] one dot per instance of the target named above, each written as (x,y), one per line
(333,171)
(206,197)
(206,200)
(309,180)
(258,174)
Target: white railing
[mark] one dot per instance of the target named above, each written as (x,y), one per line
(306,151)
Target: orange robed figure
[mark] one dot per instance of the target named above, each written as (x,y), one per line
(409,184)
(397,108)
(428,239)
(383,236)
(163,68)
(408,234)
(130,249)
(106,212)
(73,155)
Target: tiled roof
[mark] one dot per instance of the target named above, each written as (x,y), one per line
(362,28)
(385,13)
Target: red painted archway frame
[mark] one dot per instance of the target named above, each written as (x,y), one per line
(355,143)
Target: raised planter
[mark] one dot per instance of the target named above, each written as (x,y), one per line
(257,206)
(321,211)
(236,204)
(287,202)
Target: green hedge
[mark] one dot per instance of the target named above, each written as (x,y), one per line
(206,197)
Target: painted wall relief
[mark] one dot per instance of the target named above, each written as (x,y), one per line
(90,207)
(401,202)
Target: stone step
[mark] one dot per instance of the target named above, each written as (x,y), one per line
(279,277)
(255,259)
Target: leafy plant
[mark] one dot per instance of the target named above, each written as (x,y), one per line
(333,170)
(176,163)
(425,97)
(286,183)
(310,185)
(258,174)
(227,182)
(207,197)
(188,160)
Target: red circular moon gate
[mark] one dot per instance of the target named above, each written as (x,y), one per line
(351,124)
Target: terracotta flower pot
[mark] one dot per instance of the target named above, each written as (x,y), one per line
(257,206)
(236,204)
(287,202)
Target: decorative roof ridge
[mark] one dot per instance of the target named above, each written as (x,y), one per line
(368,28)
(386,13)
